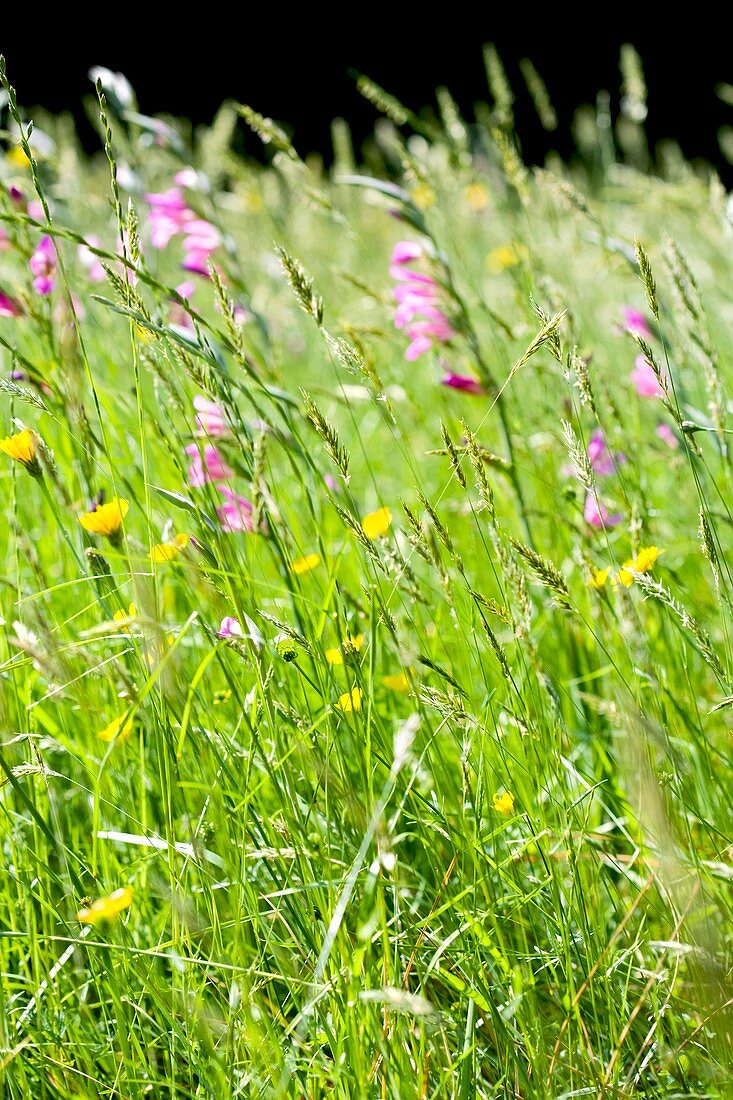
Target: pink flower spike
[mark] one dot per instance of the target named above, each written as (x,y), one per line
(644,379)
(9,307)
(463,382)
(43,265)
(602,461)
(230,628)
(665,433)
(210,418)
(636,323)
(236,512)
(187,177)
(596,514)
(405,252)
(206,466)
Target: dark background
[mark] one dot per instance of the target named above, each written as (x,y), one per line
(299,73)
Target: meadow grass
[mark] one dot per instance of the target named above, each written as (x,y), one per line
(446,810)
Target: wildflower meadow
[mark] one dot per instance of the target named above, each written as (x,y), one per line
(366,665)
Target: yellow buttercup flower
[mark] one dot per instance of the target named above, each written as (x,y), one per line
(304,565)
(123,616)
(23,448)
(106,908)
(106,519)
(396,682)
(166,551)
(119,729)
(504,256)
(598,577)
(644,561)
(423,196)
(350,700)
(377,523)
(351,645)
(17,157)
(504,803)
(477,196)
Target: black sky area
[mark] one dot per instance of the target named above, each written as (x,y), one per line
(301,76)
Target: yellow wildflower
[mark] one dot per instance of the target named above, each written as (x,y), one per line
(106,519)
(504,803)
(119,729)
(123,616)
(423,196)
(166,551)
(396,682)
(304,565)
(506,255)
(377,523)
(17,157)
(350,700)
(644,561)
(23,448)
(351,645)
(598,577)
(106,908)
(477,196)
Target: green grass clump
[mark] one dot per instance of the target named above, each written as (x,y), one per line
(400,767)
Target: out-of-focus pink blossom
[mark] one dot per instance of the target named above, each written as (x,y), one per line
(463,382)
(16,195)
(644,379)
(187,177)
(235,514)
(230,628)
(207,465)
(200,241)
(596,513)
(404,252)
(5,241)
(603,462)
(420,304)
(210,419)
(8,306)
(636,323)
(331,483)
(43,266)
(665,433)
(92,263)
(35,210)
(169,215)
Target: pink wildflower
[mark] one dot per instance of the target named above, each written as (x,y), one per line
(43,266)
(187,177)
(230,628)
(210,419)
(235,514)
(420,304)
(644,379)
(463,382)
(35,210)
(8,306)
(665,433)
(596,514)
(404,252)
(92,263)
(602,461)
(207,465)
(169,215)
(636,323)
(201,239)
